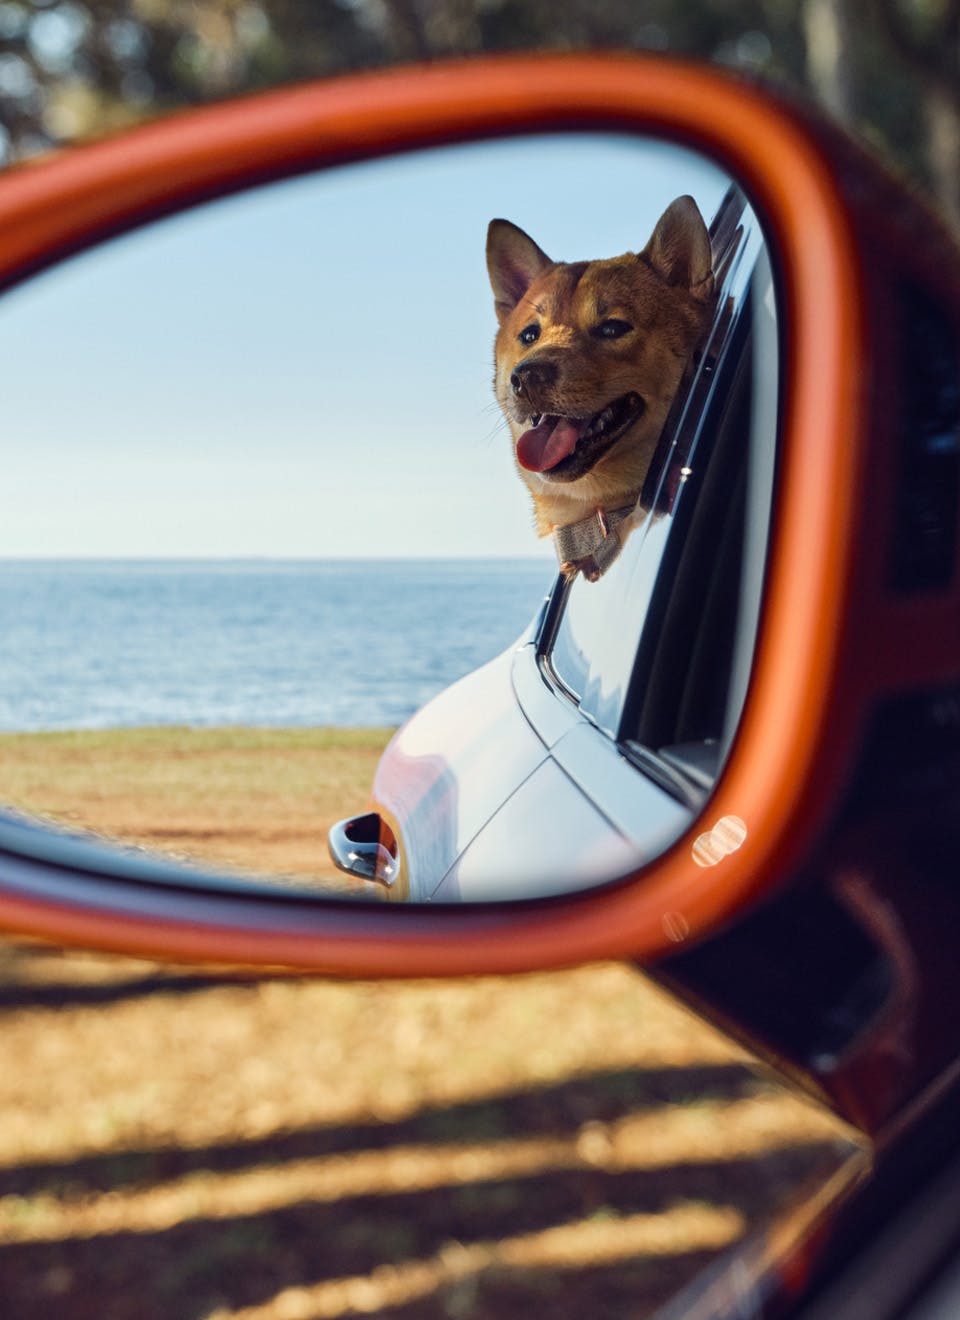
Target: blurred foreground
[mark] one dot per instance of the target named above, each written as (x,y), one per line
(560,1145)
(176,1146)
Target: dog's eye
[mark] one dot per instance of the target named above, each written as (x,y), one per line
(529,335)
(612,329)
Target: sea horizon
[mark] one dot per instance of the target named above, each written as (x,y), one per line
(119,642)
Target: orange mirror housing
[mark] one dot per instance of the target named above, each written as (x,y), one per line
(837,609)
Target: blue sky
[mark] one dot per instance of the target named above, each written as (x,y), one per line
(305,370)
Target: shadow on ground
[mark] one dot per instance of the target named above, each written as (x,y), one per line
(206,1264)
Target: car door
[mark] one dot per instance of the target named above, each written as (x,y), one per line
(633,684)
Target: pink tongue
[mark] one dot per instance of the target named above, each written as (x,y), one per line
(543,446)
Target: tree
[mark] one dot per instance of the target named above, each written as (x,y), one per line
(926,35)
(71,69)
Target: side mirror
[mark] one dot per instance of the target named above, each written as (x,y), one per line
(856,613)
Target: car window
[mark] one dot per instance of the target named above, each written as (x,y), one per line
(596,640)
(617,648)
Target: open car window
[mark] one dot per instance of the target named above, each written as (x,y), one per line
(656,653)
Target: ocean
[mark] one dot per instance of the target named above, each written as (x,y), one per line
(92,644)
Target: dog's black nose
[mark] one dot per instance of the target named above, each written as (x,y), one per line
(532,374)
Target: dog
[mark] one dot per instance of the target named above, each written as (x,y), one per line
(588,358)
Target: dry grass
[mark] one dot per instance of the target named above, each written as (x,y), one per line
(257,798)
(175,1147)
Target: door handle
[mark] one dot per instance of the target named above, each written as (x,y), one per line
(364,847)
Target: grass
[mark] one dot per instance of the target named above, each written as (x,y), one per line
(248,797)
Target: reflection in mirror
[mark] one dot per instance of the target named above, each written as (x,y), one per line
(267,504)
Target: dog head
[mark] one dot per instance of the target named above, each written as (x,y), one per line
(589,356)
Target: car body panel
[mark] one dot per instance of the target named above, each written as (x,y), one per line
(640,809)
(500,812)
(471,734)
(573,841)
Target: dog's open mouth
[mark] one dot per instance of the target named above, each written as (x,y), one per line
(567,447)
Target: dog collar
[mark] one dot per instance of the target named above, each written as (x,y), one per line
(590,546)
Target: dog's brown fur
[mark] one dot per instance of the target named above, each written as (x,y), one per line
(654,304)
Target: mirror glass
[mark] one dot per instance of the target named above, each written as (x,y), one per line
(265,501)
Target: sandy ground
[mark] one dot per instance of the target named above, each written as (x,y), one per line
(175,1146)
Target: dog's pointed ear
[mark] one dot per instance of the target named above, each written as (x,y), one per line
(679,249)
(514,261)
